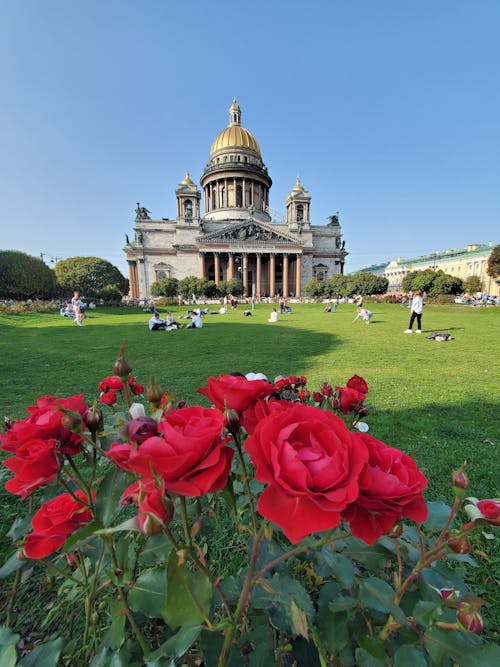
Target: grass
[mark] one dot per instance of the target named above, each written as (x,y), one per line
(436,401)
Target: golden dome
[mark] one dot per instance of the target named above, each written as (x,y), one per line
(187,179)
(235,135)
(298,187)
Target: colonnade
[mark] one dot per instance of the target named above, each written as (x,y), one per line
(262,273)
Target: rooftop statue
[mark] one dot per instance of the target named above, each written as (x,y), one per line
(334,220)
(142,213)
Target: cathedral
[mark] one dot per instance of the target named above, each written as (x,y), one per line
(235,236)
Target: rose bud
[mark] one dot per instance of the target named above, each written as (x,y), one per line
(153,393)
(141,429)
(181,404)
(469,617)
(92,418)
(121,367)
(327,389)
(231,420)
(72,421)
(458,542)
(317,397)
(460,481)
(7,424)
(490,510)
(396,531)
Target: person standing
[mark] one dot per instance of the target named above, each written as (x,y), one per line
(417,305)
(76,307)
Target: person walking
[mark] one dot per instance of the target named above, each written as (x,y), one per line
(417,305)
(76,306)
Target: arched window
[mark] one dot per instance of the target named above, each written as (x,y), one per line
(300,212)
(188,208)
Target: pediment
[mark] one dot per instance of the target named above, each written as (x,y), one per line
(249,231)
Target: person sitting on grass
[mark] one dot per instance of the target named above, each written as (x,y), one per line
(156,323)
(273,317)
(364,313)
(170,322)
(196,322)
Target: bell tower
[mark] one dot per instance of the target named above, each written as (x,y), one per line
(188,201)
(297,208)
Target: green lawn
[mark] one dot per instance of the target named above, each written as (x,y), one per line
(436,401)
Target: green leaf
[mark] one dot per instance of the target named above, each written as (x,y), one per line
(109,494)
(365,659)
(188,595)
(342,603)
(281,589)
(262,656)
(177,645)
(333,629)
(11,565)
(149,593)
(81,535)
(20,527)
(340,566)
(8,656)
(115,635)
(409,656)
(211,646)
(377,594)
(299,621)
(375,647)
(466,649)
(438,516)
(426,612)
(8,637)
(45,655)
(373,558)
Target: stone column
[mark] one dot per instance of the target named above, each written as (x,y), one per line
(285,275)
(297,275)
(230,266)
(272,274)
(202,265)
(259,276)
(216,267)
(234,192)
(244,268)
(243,193)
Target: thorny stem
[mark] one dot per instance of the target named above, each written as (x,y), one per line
(12,597)
(135,628)
(76,472)
(400,562)
(454,509)
(198,562)
(68,488)
(225,654)
(246,481)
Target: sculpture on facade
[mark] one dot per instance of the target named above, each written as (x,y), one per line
(334,220)
(142,213)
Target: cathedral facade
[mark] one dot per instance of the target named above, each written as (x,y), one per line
(234,236)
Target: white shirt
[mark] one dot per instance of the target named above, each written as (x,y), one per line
(417,305)
(196,321)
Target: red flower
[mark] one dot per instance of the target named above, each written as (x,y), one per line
(137,389)
(255,413)
(235,391)
(34,465)
(358,384)
(349,399)
(155,509)
(109,398)
(110,382)
(312,464)
(490,510)
(45,422)
(54,522)
(191,458)
(391,488)
(141,429)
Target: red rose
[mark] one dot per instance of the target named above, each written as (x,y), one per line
(358,383)
(349,399)
(490,510)
(45,422)
(111,382)
(255,413)
(235,391)
(312,464)
(54,522)
(141,429)
(391,488)
(34,465)
(154,512)
(137,389)
(109,398)
(191,457)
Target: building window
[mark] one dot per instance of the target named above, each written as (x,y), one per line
(300,212)
(239,196)
(188,208)
(223,197)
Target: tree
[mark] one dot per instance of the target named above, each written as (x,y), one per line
(233,286)
(189,286)
(472,284)
(23,276)
(315,287)
(165,287)
(368,283)
(419,280)
(493,268)
(89,275)
(446,284)
(336,285)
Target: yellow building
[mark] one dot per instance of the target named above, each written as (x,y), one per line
(461,262)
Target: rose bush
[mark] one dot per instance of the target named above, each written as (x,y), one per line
(331,554)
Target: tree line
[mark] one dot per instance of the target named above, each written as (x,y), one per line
(23,276)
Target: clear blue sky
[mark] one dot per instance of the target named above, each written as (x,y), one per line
(388,110)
